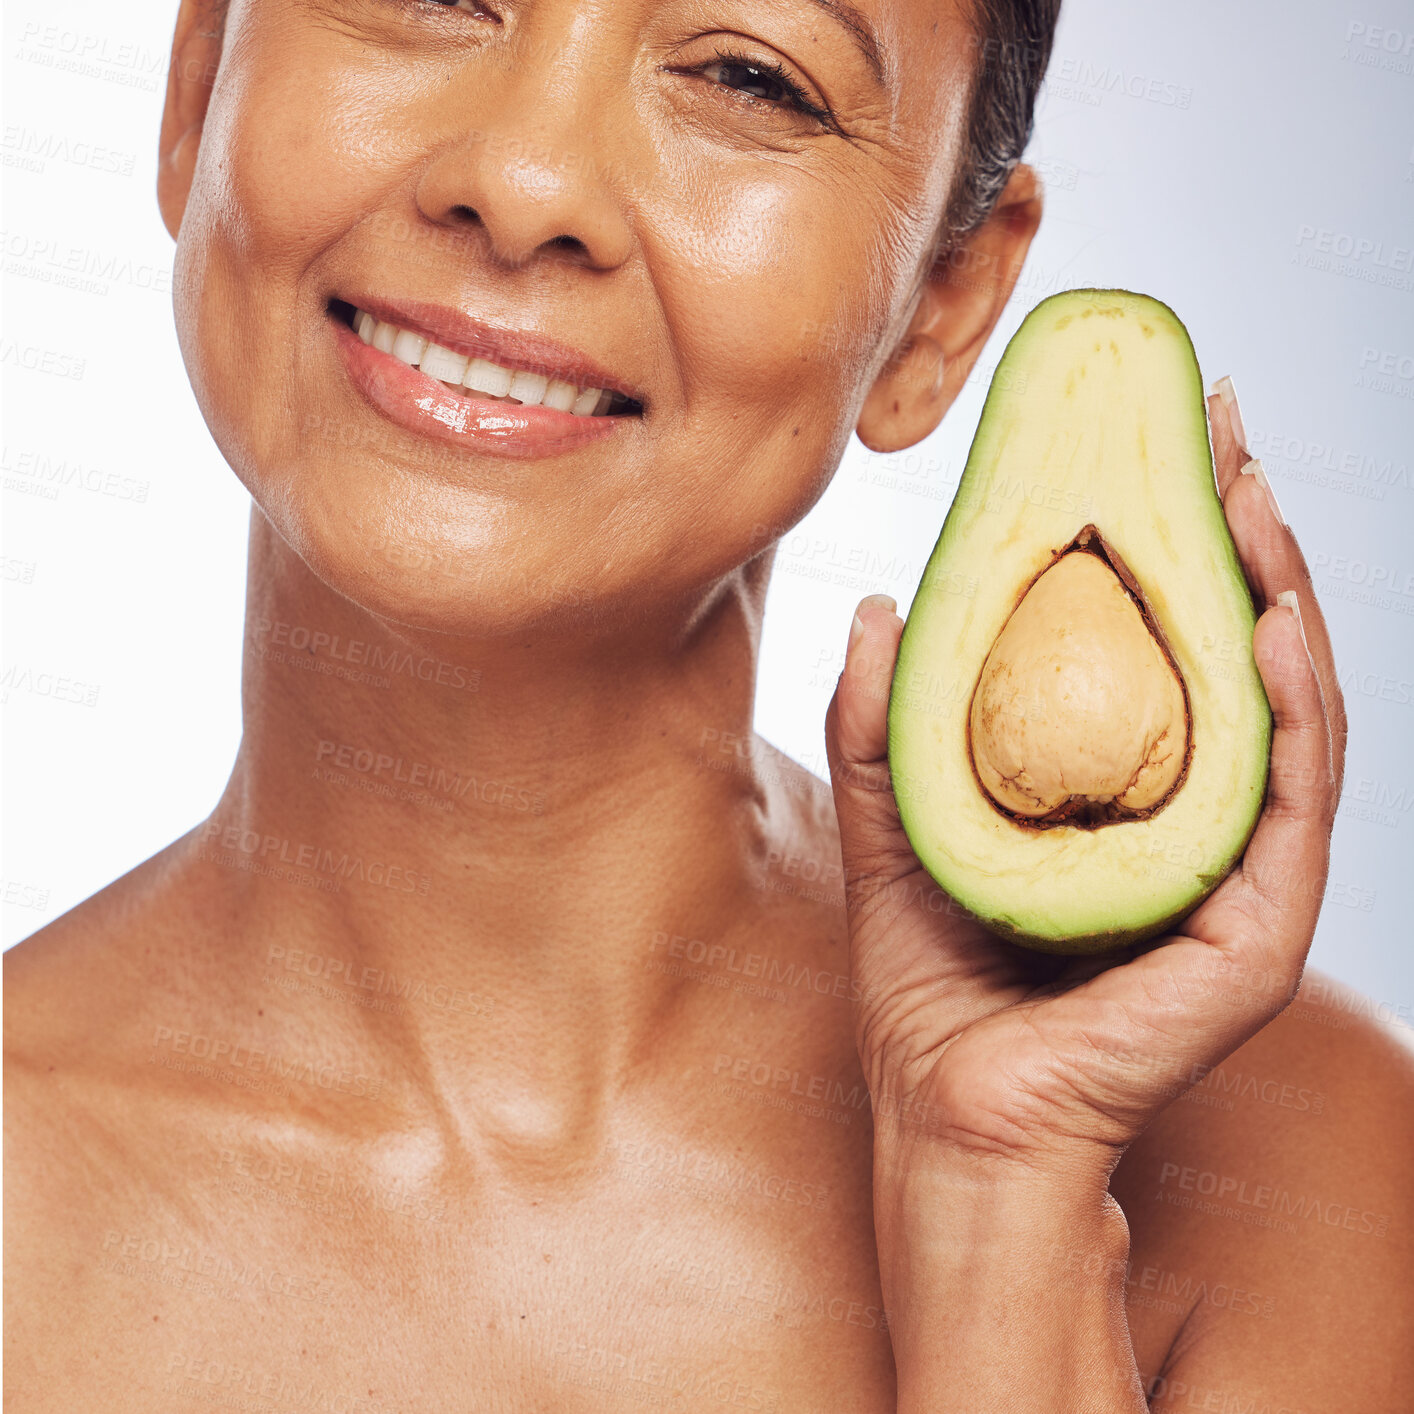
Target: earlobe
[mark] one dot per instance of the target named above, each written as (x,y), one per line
(174,177)
(908,398)
(196,54)
(962,298)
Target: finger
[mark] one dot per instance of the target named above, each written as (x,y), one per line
(862,694)
(1266,912)
(904,932)
(872,839)
(1274,563)
(1229,439)
(1273,547)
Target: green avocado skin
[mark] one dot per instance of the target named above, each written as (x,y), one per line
(1090,943)
(1130,925)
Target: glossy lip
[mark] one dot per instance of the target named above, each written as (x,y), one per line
(428,407)
(511,348)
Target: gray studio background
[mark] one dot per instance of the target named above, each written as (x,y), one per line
(1251,165)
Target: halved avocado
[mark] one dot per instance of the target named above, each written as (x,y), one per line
(1078,735)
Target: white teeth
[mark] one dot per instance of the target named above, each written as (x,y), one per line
(409,347)
(529,388)
(442,363)
(480,375)
(560,396)
(483,376)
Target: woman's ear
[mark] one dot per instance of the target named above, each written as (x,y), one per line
(962,298)
(196,52)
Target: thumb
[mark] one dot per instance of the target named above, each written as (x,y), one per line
(874,847)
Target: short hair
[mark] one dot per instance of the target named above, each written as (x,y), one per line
(1014,39)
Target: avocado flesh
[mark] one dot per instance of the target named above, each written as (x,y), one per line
(1093,438)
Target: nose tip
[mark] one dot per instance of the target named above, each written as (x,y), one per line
(528,195)
(567,246)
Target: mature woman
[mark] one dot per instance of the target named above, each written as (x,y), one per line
(394,1085)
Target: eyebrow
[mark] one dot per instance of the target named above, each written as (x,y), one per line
(860,31)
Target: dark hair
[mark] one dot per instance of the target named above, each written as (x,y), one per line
(1014,40)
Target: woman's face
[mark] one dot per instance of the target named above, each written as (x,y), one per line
(720,207)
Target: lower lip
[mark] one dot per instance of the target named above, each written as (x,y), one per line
(421,404)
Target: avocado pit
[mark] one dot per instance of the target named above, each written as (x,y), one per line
(1079,716)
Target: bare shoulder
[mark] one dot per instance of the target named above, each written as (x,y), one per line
(80,996)
(1272,1217)
(79,983)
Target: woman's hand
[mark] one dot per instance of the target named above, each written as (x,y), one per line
(1004,1073)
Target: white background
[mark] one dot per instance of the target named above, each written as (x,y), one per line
(1251,165)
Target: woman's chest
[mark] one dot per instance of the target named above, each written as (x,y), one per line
(274,1287)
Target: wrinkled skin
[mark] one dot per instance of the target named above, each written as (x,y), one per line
(468,1127)
(565,170)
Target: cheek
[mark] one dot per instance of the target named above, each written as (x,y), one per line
(306,143)
(301,145)
(769,301)
(775,302)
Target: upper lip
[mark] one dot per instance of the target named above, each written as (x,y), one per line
(512,348)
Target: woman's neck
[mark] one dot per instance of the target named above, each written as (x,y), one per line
(516,824)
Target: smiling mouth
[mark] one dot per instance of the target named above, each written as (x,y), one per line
(517,386)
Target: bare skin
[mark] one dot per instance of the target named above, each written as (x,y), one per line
(487,1125)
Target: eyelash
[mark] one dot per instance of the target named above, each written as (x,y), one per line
(796,95)
(476,12)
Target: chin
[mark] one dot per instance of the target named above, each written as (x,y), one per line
(421,574)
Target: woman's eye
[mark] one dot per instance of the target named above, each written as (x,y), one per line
(756,79)
(470,7)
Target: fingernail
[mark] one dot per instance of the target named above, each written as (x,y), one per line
(1224,389)
(879,601)
(1255,468)
(1287,600)
(870,601)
